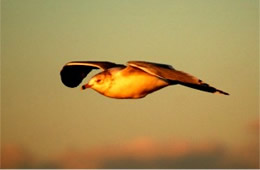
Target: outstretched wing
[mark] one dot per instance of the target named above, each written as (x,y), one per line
(74,72)
(173,76)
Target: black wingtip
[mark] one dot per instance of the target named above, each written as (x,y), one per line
(72,76)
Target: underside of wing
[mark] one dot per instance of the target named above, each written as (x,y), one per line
(74,72)
(168,73)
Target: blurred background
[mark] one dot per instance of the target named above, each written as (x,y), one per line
(47,125)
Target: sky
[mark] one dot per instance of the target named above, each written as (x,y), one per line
(47,125)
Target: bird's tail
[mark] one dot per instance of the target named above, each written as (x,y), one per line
(185,79)
(204,87)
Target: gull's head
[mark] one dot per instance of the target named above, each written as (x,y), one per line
(99,82)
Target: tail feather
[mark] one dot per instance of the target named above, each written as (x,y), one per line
(204,87)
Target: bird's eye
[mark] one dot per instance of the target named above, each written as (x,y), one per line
(98,80)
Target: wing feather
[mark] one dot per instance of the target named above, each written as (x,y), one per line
(74,72)
(173,76)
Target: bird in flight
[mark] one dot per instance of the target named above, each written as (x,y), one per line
(134,80)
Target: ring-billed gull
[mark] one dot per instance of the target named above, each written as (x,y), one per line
(135,80)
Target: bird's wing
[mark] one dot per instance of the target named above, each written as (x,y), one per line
(173,76)
(74,72)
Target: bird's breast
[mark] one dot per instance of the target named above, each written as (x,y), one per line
(133,83)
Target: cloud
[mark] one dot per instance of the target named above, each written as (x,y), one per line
(139,153)
(254,127)
(13,156)
(144,152)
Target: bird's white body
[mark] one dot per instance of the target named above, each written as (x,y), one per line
(123,85)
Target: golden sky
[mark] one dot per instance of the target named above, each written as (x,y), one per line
(217,41)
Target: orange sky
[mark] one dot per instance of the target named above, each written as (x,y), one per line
(217,41)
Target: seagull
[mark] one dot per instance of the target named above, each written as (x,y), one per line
(134,80)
